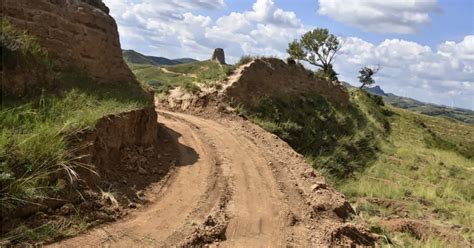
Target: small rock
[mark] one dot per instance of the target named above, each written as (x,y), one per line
(132,205)
(66,209)
(318,186)
(309,173)
(140,194)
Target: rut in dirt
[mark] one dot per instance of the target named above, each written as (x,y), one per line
(239,186)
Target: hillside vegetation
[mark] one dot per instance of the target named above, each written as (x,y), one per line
(133,57)
(35,129)
(188,76)
(409,176)
(458,114)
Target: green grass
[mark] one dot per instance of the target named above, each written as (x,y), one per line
(411,167)
(463,115)
(49,231)
(371,151)
(187,76)
(337,140)
(34,129)
(14,40)
(33,137)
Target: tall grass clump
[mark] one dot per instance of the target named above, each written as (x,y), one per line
(15,40)
(34,144)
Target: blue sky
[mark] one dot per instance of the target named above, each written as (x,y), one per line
(425,47)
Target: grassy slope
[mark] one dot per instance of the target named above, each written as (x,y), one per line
(130,56)
(34,129)
(463,115)
(336,139)
(184,75)
(426,165)
(370,151)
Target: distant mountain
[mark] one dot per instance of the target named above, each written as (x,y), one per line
(185,60)
(460,114)
(134,57)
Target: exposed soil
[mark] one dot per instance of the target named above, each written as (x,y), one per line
(127,164)
(237,186)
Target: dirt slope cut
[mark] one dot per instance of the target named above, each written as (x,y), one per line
(76,33)
(252,83)
(238,186)
(270,77)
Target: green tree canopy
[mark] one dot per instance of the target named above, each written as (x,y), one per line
(318,47)
(366,75)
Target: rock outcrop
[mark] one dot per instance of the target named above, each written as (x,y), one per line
(76,33)
(219,56)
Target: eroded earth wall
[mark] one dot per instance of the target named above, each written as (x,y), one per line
(78,33)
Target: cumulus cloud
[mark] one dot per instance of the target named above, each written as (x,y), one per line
(443,76)
(170,28)
(401,16)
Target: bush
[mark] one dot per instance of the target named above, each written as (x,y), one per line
(377,99)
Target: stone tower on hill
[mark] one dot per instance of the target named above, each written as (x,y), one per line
(219,56)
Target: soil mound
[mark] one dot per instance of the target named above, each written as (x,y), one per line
(270,77)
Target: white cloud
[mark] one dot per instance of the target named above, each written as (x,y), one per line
(386,16)
(464,49)
(411,69)
(170,28)
(156,27)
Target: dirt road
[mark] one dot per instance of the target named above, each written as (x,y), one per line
(239,186)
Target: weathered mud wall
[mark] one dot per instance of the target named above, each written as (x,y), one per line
(77,33)
(105,145)
(274,78)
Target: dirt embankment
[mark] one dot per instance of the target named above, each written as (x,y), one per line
(237,186)
(121,157)
(273,78)
(76,33)
(252,83)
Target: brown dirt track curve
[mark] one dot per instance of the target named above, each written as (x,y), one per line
(236,186)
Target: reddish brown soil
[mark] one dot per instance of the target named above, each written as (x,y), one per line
(237,186)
